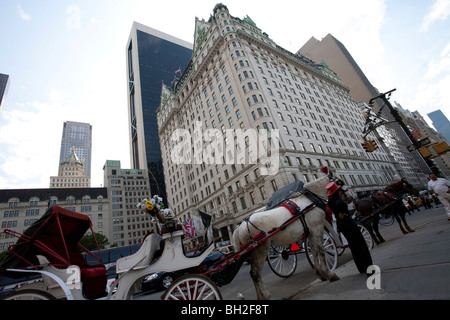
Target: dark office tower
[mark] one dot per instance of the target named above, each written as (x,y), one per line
(153,58)
(3,89)
(440,123)
(77,137)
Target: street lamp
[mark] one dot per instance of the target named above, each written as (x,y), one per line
(417,145)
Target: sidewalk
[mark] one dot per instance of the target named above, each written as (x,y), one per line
(413,266)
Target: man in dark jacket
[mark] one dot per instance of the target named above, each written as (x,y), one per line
(349,229)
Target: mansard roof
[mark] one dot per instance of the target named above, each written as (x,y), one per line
(26,194)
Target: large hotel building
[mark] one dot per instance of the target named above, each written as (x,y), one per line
(240,79)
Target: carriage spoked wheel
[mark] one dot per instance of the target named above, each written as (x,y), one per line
(192,287)
(367,236)
(331,252)
(29,294)
(282,261)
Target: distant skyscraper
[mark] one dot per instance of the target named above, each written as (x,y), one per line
(441,123)
(71,174)
(153,57)
(3,89)
(77,138)
(335,54)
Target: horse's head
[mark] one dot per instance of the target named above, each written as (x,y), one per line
(402,187)
(409,188)
(345,195)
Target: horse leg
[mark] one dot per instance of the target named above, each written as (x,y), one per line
(258,257)
(403,217)
(375,223)
(397,218)
(318,252)
(368,225)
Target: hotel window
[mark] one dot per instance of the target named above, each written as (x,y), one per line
(292,145)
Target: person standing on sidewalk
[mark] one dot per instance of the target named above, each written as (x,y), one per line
(441,188)
(349,229)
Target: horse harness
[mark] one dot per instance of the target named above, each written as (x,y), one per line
(296,212)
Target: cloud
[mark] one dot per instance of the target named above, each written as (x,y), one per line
(432,93)
(22,14)
(440,10)
(30,137)
(440,65)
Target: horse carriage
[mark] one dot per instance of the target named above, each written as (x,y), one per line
(50,248)
(283,260)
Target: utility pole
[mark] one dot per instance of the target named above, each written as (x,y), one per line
(417,145)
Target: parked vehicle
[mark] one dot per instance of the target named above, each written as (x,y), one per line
(162,280)
(225,249)
(110,256)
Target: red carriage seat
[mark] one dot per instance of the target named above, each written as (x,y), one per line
(93,277)
(56,236)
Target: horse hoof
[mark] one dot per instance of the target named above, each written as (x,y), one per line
(334,278)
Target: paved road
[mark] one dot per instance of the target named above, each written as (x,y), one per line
(413,266)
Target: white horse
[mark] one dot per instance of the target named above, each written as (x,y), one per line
(267,220)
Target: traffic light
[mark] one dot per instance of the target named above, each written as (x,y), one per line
(370,146)
(425,152)
(365,145)
(441,148)
(373,145)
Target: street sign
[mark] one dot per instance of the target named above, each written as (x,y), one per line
(416,134)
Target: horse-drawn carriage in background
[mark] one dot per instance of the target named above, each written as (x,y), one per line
(51,249)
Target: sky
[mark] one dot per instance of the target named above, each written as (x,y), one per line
(66,61)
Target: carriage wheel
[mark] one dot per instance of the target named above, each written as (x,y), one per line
(386,219)
(282,261)
(367,236)
(29,294)
(192,287)
(331,253)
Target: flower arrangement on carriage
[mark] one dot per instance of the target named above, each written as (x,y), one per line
(155,208)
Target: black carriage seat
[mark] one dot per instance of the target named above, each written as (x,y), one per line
(288,191)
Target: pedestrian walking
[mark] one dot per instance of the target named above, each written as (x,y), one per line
(425,202)
(412,205)
(441,188)
(348,227)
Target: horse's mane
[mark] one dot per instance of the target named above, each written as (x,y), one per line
(395,184)
(318,186)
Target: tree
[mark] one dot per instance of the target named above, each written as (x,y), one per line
(88,241)
(3,255)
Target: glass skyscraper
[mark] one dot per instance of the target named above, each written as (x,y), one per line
(440,123)
(3,89)
(77,135)
(153,58)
